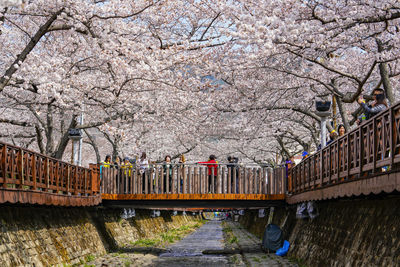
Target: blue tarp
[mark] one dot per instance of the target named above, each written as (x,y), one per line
(284,249)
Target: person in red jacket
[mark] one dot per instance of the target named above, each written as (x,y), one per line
(212,170)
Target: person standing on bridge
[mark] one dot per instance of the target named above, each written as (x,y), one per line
(234,168)
(105,165)
(181,163)
(126,172)
(212,171)
(143,167)
(117,173)
(379,105)
(376,93)
(341,130)
(167,167)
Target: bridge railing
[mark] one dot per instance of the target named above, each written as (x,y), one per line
(370,149)
(26,170)
(192,179)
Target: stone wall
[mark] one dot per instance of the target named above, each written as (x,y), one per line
(142,226)
(358,232)
(43,236)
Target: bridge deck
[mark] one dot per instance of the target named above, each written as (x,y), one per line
(192,197)
(191,201)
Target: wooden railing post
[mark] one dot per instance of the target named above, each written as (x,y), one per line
(392,129)
(4,165)
(94,177)
(20,163)
(374,145)
(167,189)
(173,180)
(156,177)
(75,179)
(46,174)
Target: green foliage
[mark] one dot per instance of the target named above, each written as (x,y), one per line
(233,239)
(90,258)
(235,259)
(127,263)
(168,237)
(145,242)
(227,230)
(256,259)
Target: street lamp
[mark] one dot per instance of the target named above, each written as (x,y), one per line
(76,136)
(323,112)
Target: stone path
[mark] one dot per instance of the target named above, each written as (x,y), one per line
(188,251)
(191,251)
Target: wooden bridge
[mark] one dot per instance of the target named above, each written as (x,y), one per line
(364,161)
(192,186)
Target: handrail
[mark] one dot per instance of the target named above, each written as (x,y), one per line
(25,170)
(192,180)
(370,149)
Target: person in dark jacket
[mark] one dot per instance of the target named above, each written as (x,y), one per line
(377,107)
(376,93)
(233,166)
(167,166)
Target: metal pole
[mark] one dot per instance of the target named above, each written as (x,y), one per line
(80,144)
(75,143)
(323,132)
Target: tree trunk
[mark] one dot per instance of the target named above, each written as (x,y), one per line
(383,69)
(92,142)
(64,140)
(343,114)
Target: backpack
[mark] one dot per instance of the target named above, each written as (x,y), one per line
(272,239)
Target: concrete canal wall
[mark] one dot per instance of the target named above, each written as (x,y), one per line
(43,236)
(360,232)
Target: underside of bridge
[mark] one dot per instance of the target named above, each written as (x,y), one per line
(192,201)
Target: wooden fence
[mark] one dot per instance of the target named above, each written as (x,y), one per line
(370,149)
(24,170)
(192,179)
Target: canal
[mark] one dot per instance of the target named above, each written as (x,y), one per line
(216,243)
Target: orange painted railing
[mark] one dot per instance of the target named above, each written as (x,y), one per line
(371,149)
(193,179)
(24,170)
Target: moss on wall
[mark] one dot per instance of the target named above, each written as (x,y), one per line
(43,236)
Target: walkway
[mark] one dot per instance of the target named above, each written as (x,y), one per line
(208,246)
(188,252)
(190,186)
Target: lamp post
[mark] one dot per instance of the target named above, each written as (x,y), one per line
(75,135)
(323,112)
(80,143)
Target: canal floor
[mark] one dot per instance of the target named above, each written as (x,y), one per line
(208,246)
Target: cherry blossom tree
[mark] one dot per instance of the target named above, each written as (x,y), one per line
(194,77)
